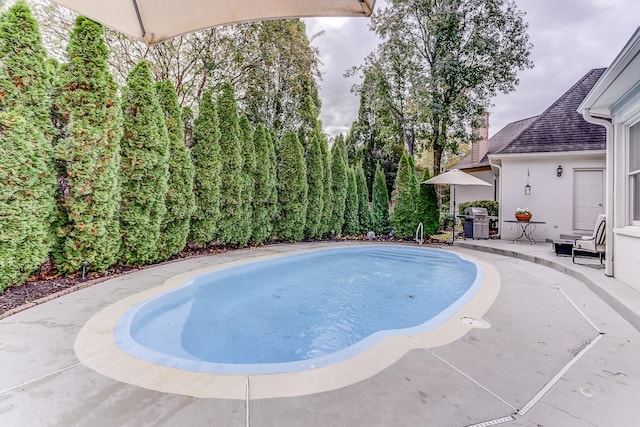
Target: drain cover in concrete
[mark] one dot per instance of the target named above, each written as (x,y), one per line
(475,323)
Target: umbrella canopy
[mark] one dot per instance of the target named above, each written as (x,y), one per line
(456,177)
(154,21)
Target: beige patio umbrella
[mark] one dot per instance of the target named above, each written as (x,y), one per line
(455,177)
(154,21)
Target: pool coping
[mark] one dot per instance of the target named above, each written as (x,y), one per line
(95,348)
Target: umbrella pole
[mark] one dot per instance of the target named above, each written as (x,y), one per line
(453,222)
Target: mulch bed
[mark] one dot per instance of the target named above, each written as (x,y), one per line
(46,283)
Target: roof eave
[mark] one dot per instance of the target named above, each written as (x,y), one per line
(619,78)
(495,158)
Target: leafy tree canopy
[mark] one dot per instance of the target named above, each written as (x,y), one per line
(445,60)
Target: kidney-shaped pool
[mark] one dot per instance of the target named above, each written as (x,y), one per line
(298,312)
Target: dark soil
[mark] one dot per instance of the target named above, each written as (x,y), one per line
(46,282)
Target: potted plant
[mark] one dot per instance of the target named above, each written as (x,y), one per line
(523,214)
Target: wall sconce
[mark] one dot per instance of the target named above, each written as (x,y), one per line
(527,188)
(559,171)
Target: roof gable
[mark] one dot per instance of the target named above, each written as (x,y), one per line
(560,128)
(497,142)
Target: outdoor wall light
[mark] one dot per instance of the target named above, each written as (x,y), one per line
(559,171)
(527,188)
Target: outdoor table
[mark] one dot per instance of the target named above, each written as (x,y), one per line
(525,229)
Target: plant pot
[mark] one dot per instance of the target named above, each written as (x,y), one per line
(523,217)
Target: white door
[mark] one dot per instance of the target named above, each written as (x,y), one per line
(588,198)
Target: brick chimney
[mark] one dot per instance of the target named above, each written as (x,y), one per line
(480,147)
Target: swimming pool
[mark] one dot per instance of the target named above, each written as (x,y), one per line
(298,312)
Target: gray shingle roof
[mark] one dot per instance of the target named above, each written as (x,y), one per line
(560,128)
(497,142)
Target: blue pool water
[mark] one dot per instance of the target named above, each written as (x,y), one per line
(298,312)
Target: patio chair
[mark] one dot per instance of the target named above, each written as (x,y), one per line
(594,244)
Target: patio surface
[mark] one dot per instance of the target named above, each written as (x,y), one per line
(556,354)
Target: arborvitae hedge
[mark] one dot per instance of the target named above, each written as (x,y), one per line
(88,154)
(405,197)
(188,125)
(233,223)
(292,189)
(26,199)
(351,225)
(249,169)
(380,202)
(315,180)
(205,156)
(273,207)
(179,199)
(27,175)
(427,210)
(265,186)
(327,191)
(25,77)
(338,183)
(144,168)
(364,211)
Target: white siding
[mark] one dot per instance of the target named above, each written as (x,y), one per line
(627,259)
(473,192)
(551,198)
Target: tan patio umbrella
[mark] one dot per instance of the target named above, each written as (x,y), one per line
(455,177)
(154,21)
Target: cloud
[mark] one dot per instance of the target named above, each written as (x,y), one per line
(570,37)
(344,43)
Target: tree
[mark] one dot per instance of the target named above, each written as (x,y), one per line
(315,180)
(380,202)
(427,210)
(272,64)
(27,176)
(364,212)
(205,156)
(292,189)
(265,186)
(188,125)
(351,225)
(25,79)
(376,136)
(179,199)
(327,187)
(88,154)
(460,53)
(233,223)
(248,172)
(280,69)
(405,196)
(272,204)
(144,168)
(26,199)
(338,183)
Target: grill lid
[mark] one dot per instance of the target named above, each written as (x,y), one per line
(473,211)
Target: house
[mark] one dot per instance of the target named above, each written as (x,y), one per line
(477,164)
(614,104)
(555,167)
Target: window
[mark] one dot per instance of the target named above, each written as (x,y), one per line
(634,173)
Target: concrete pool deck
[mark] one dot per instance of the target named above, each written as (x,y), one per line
(549,333)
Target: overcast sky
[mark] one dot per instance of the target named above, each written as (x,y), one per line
(569,38)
